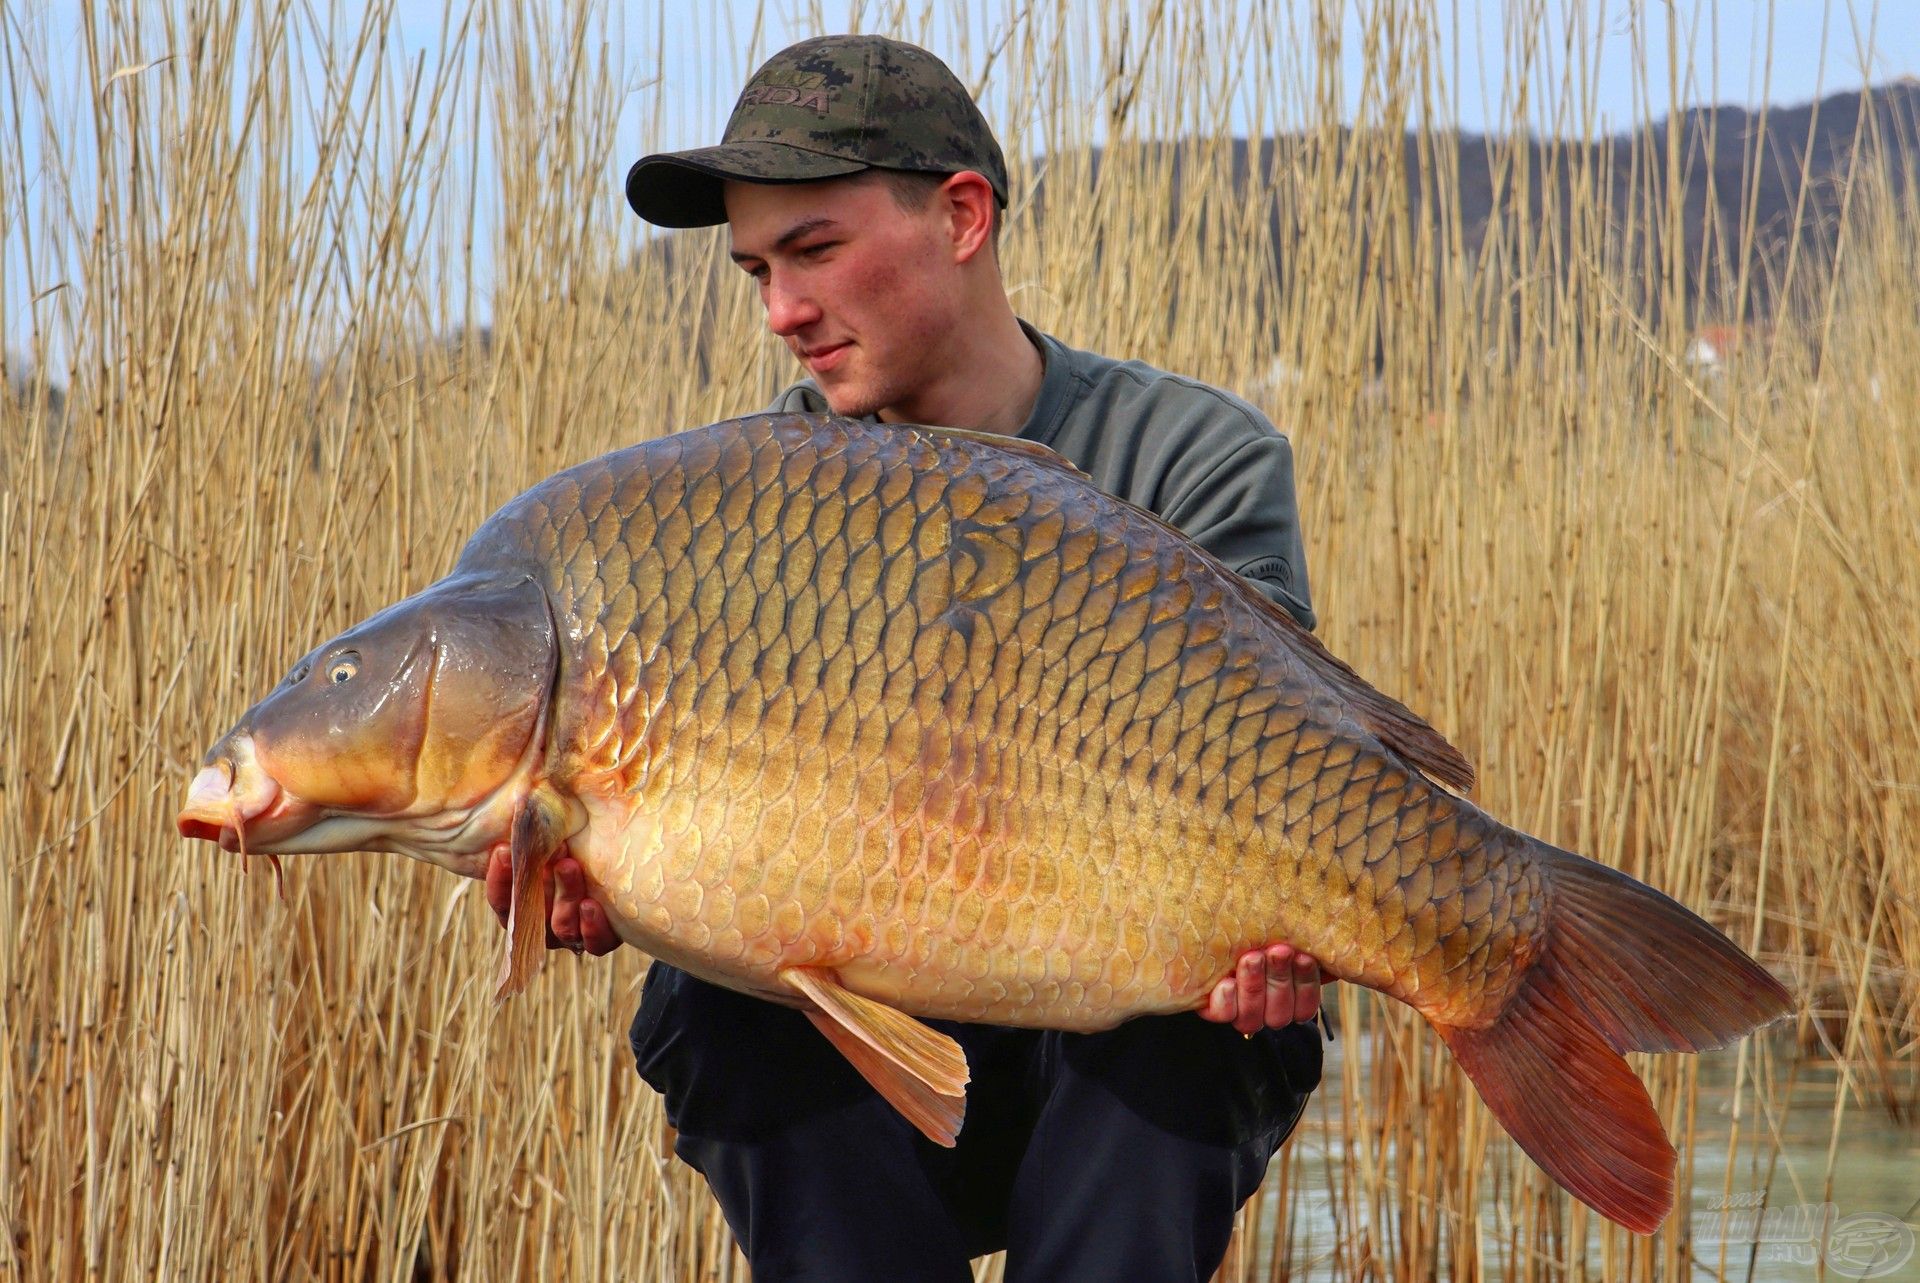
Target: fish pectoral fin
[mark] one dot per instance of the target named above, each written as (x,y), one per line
(539,830)
(920,1071)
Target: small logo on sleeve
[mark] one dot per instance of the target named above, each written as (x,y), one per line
(1275,568)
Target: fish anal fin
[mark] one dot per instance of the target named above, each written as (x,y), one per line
(919,1071)
(938,1117)
(1571,1102)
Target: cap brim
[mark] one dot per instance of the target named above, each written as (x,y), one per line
(682,188)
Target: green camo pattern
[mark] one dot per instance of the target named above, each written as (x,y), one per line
(865,98)
(819,109)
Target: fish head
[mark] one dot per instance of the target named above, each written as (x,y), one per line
(414,731)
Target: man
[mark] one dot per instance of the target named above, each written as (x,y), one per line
(863,192)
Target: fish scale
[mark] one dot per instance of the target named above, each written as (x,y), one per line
(897,674)
(890,722)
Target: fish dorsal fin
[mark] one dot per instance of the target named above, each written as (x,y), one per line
(921,1072)
(1397,726)
(1019,447)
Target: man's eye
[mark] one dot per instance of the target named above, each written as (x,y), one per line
(815,251)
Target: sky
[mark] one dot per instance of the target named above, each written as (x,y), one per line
(680,63)
(1816,47)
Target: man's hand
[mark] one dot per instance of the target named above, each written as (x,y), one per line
(575,921)
(1271,988)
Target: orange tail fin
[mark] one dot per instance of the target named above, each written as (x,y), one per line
(1624,968)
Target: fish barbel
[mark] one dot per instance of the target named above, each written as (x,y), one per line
(892,722)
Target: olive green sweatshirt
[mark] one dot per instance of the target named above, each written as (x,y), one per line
(1199,458)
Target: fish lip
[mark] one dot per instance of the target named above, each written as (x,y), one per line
(232,794)
(287,817)
(211,801)
(192,826)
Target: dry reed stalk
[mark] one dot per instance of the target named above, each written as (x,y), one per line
(306,307)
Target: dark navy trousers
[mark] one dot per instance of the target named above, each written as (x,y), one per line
(1089,1157)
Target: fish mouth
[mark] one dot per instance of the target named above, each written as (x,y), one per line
(259,834)
(236,805)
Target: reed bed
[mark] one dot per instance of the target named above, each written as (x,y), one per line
(307,303)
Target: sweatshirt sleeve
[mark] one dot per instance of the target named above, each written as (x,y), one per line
(1241,507)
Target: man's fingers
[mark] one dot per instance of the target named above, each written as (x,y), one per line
(569,888)
(1268,988)
(565,925)
(1280,998)
(1306,989)
(1250,982)
(595,931)
(569,881)
(1221,1003)
(500,881)
(573,921)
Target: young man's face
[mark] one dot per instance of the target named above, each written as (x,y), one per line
(861,290)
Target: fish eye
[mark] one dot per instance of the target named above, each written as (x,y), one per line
(343,668)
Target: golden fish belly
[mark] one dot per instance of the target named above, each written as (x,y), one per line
(961,925)
(1027,889)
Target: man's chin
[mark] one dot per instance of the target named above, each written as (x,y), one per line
(849,396)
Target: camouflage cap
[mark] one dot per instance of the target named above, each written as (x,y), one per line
(821,108)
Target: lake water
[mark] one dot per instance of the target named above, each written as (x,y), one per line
(1861,1210)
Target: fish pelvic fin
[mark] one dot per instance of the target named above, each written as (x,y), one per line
(1622,968)
(539,831)
(918,1070)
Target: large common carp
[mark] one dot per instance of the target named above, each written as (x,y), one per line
(889,722)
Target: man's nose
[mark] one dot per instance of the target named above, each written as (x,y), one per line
(788,311)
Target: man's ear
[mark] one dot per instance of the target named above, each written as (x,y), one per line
(969,203)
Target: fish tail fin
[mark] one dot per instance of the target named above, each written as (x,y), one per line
(1622,968)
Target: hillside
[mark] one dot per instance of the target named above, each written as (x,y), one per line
(1806,148)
